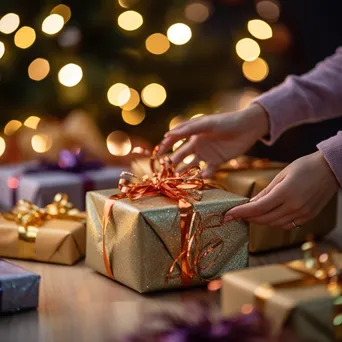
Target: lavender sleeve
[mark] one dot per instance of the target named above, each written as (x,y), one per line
(313,97)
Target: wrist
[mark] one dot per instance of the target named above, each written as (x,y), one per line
(322,163)
(260,119)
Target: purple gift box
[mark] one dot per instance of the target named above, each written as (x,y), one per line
(19,288)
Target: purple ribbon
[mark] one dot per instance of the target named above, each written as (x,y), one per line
(69,161)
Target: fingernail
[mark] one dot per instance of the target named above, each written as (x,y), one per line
(252,199)
(228,218)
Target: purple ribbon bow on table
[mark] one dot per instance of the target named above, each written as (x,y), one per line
(69,161)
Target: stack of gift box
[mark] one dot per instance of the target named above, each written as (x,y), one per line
(175,223)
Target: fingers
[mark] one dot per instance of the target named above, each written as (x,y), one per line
(209,171)
(182,152)
(191,127)
(167,144)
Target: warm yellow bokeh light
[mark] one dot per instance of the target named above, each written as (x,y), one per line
(38,69)
(157,43)
(197,12)
(12,126)
(179,34)
(130,20)
(176,121)
(9,23)
(2,146)
(248,49)
(153,95)
(70,75)
(119,143)
(177,145)
(52,24)
(133,101)
(255,71)
(246,98)
(41,143)
(32,122)
(268,10)
(134,117)
(62,10)
(196,116)
(118,94)
(24,37)
(2,49)
(189,159)
(259,29)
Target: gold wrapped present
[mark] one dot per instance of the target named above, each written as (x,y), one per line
(247,177)
(54,234)
(164,232)
(303,296)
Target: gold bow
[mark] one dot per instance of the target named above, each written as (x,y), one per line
(29,217)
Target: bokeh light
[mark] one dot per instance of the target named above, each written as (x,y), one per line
(130,20)
(255,71)
(197,12)
(62,10)
(70,75)
(157,43)
(179,34)
(2,49)
(52,24)
(268,10)
(177,145)
(32,122)
(119,143)
(153,95)
(176,121)
(133,101)
(70,36)
(127,3)
(189,159)
(134,117)
(38,69)
(248,49)
(118,94)
(24,37)
(9,23)
(196,116)
(259,29)
(2,146)
(41,143)
(12,126)
(246,98)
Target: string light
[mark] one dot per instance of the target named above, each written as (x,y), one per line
(176,121)
(12,126)
(70,75)
(38,69)
(130,20)
(134,117)
(62,10)
(248,49)
(2,49)
(133,101)
(157,43)
(2,146)
(118,94)
(255,71)
(9,23)
(52,24)
(32,122)
(197,11)
(259,29)
(153,95)
(41,143)
(118,143)
(268,10)
(179,34)
(189,159)
(25,37)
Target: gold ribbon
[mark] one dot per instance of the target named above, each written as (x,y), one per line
(30,217)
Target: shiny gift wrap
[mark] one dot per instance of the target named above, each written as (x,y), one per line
(143,238)
(19,288)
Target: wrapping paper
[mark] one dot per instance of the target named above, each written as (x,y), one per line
(143,238)
(307,311)
(19,288)
(40,187)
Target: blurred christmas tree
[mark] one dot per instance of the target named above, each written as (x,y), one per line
(135,65)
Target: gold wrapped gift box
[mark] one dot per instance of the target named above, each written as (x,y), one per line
(143,238)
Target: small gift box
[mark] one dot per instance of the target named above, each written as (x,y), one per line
(247,177)
(54,234)
(302,296)
(39,181)
(164,232)
(19,288)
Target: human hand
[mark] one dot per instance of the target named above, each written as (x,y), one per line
(217,138)
(295,196)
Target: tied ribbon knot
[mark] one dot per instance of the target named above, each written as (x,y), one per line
(184,187)
(29,217)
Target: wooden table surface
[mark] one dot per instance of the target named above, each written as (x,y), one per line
(77,304)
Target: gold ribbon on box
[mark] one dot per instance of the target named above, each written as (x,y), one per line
(30,217)
(315,270)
